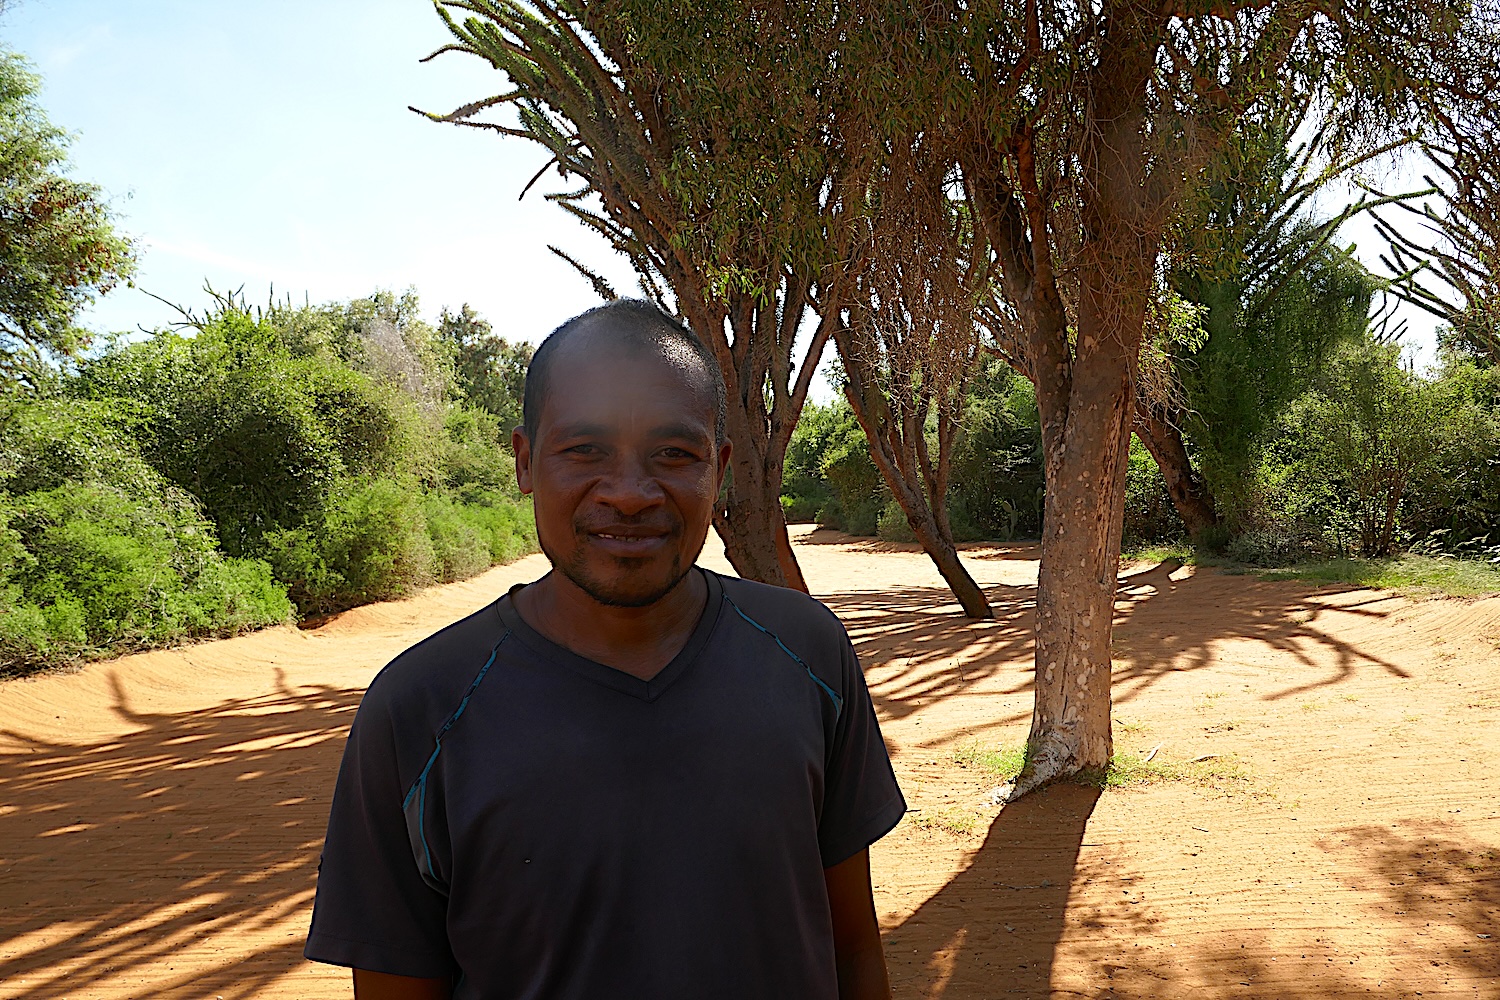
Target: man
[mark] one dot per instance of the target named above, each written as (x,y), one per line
(632,778)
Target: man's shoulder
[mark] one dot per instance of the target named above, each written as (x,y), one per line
(787,613)
(428,678)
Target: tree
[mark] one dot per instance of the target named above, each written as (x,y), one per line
(909,343)
(593,84)
(1450,266)
(58,247)
(1088,123)
(1274,294)
(1373,431)
(490,370)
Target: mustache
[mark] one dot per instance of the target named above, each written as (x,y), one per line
(628,526)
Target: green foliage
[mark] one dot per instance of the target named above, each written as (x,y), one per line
(47,441)
(260,436)
(997,486)
(58,248)
(376,541)
(1457,508)
(369,543)
(1149,513)
(489,370)
(477,456)
(829,476)
(88,569)
(331,462)
(1373,432)
(892,524)
(1263,352)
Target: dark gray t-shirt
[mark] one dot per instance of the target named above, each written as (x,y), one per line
(545,827)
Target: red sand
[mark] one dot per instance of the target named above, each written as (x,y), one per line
(161,815)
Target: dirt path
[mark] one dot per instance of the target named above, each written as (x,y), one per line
(161,815)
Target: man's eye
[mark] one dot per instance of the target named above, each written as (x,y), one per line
(582,449)
(678,454)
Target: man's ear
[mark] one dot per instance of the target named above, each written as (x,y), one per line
(726,449)
(521,445)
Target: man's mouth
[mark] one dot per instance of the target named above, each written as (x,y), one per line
(628,541)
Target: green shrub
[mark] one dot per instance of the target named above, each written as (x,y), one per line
(476,456)
(1150,516)
(460,548)
(892,525)
(1373,438)
(87,569)
(829,476)
(370,544)
(48,441)
(997,486)
(258,435)
(504,520)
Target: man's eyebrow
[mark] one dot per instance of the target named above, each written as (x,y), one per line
(581,430)
(681,431)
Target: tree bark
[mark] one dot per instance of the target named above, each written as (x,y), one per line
(944,555)
(1084,369)
(1189,493)
(763,402)
(752,526)
(895,454)
(1086,455)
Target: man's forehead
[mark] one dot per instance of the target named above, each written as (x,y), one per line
(589,374)
(591,348)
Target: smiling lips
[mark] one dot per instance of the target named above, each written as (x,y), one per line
(629,541)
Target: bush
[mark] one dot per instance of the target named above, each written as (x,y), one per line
(892,525)
(997,483)
(1372,438)
(460,549)
(1150,516)
(258,435)
(504,520)
(370,544)
(829,476)
(88,569)
(476,458)
(47,442)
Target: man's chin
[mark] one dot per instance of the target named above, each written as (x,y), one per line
(631,592)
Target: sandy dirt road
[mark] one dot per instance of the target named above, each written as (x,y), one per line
(161,815)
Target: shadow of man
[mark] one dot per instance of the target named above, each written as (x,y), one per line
(993,930)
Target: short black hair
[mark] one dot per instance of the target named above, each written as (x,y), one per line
(639,326)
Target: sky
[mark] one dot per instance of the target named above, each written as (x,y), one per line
(268,146)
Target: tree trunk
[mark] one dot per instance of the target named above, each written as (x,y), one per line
(1189,493)
(906,486)
(750,520)
(944,555)
(1086,441)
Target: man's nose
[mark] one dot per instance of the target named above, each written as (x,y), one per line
(628,486)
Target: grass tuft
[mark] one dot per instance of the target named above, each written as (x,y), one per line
(952,821)
(1003,764)
(1415,576)
(1124,769)
(1127,769)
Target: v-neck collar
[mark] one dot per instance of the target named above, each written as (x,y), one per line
(609,676)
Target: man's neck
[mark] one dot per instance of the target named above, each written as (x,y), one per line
(636,641)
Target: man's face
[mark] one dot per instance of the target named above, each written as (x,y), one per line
(624,472)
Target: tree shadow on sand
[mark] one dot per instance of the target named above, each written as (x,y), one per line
(1433,895)
(925,650)
(133,853)
(993,930)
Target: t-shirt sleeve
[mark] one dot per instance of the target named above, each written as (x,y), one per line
(861,799)
(373,910)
